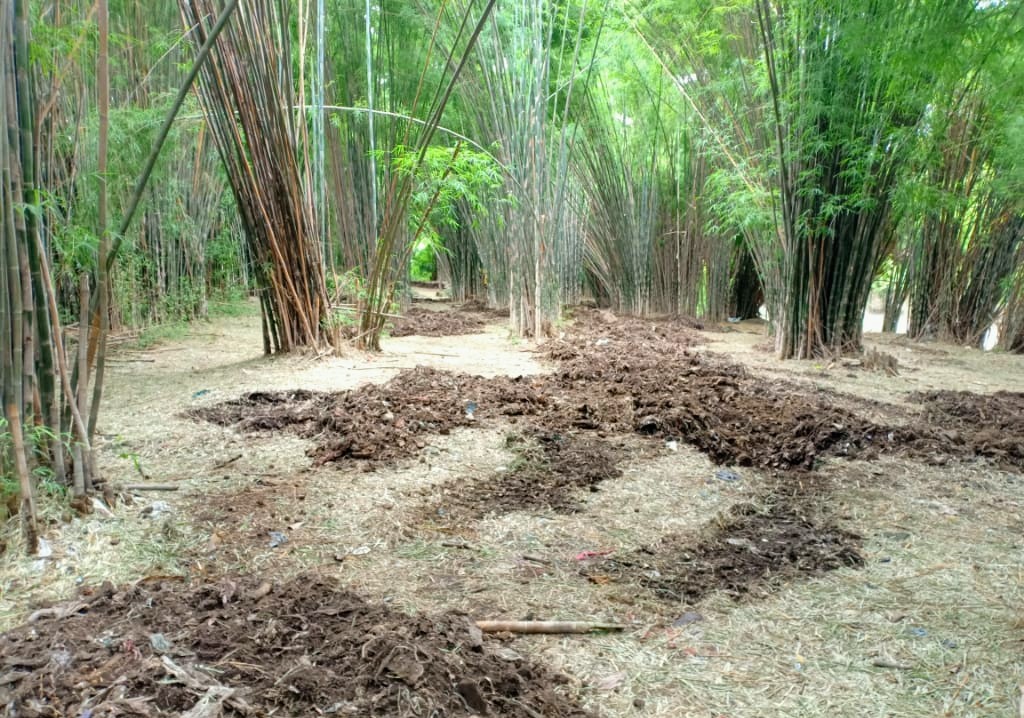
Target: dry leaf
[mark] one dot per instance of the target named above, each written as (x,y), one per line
(611,681)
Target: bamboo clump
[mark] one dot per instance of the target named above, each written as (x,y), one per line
(246,90)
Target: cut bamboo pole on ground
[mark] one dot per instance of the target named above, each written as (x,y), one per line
(539,627)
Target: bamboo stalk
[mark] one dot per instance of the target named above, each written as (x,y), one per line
(390,257)
(102,326)
(13,324)
(539,627)
(257,140)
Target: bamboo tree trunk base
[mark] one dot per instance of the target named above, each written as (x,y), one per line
(29,526)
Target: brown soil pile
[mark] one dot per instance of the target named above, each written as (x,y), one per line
(601,345)
(742,420)
(250,516)
(989,425)
(477,306)
(617,376)
(427,323)
(714,405)
(377,422)
(552,472)
(246,649)
(753,548)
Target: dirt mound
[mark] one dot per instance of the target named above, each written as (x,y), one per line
(624,375)
(551,472)
(734,418)
(601,345)
(990,425)
(478,306)
(427,323)
(393,420)
(716,406)
(742,420)
(753,548)
(614,375)
(674,393)
(378,422)
(244,648)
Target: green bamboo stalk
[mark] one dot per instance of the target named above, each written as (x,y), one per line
(102,326)
(382,279)
(12,319)
(109,252)
(49,398)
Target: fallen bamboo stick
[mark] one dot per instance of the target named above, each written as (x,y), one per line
(150,487)
(222,464)
(546,626)
(456,543)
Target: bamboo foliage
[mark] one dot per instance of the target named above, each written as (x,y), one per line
(27,368)
(15,313)
(812,109)
(1011,327)
(394,244)
(836,167)
(247,95)
(380,65)
(645,171)
(721,175)
(162,271)
(964,253)
(803,149)
(42,389)
(351,166)
(989,267)
(695,254)
(185,246)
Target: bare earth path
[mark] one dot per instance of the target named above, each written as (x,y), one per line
(927,621)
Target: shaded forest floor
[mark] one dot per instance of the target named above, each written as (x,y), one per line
(778,539)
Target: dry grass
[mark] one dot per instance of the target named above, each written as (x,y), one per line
(942,603)
(922,367)
(939,603)
(931,626)
(119,547)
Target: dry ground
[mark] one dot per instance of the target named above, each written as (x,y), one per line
(931,624)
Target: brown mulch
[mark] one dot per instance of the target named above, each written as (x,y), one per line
(427,323)
(990,425)
(244,517)
(477,306)
(380,422)
(624,375)
(714,405)
(753,549)
(617,376)
(551,472)
(251,649)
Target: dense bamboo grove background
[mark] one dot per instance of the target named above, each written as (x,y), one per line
(708,159)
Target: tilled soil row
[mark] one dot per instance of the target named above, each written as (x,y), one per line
(248,648)
(634,376)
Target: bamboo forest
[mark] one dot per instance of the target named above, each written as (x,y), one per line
(524,358)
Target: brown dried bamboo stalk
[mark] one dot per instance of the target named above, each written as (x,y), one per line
(547,627)
(246,94)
